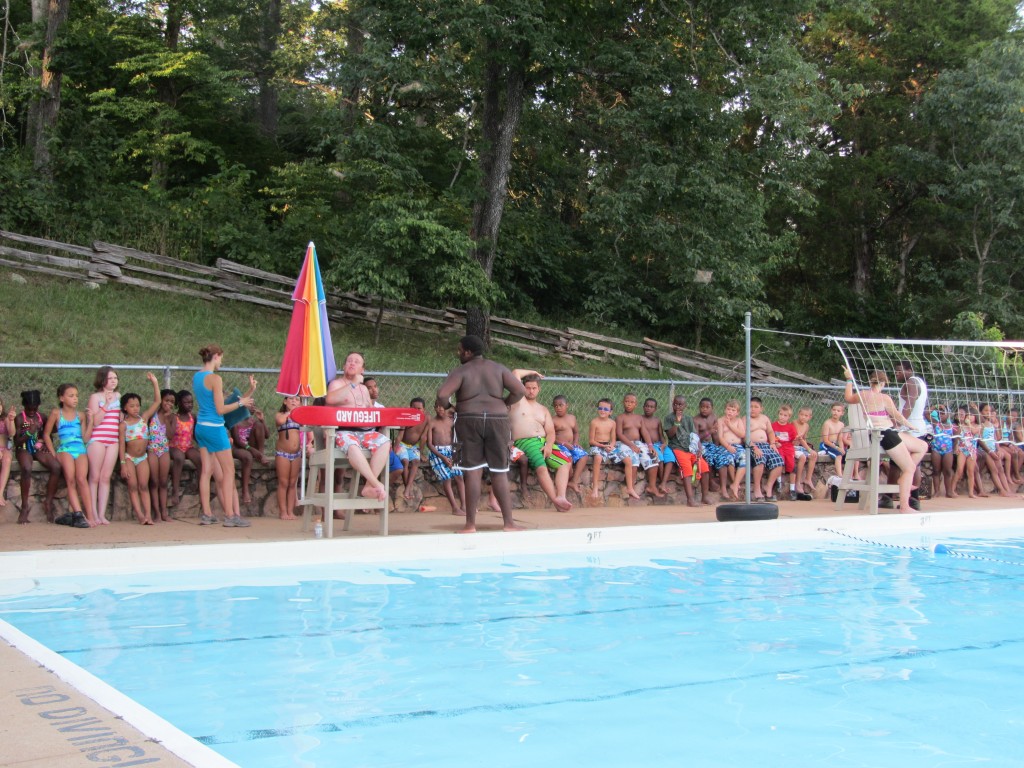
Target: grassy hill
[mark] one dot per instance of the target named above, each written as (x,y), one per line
(47,320)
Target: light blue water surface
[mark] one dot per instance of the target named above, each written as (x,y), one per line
(846,653)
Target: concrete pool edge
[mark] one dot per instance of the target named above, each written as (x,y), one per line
(151,726)
(38,564)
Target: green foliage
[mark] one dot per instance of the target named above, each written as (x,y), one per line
(832,167)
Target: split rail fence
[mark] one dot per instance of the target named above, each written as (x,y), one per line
(106,262)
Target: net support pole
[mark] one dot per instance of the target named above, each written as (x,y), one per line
(746,442)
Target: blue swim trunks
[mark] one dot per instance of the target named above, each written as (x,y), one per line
(574,452)
(441,468)
(769,457)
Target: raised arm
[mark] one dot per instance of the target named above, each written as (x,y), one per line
(849,395)
(156,398)
(516,390)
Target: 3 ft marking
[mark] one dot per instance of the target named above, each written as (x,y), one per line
(593,536)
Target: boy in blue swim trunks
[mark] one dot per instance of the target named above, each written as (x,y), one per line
(409,448)
(633,437)
(834,437)
(604,446)
(533,433)
(661,449)
(439,443)
(567,439)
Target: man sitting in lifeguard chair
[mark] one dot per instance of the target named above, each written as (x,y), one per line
(348,391)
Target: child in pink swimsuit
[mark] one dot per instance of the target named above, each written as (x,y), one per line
(182,444)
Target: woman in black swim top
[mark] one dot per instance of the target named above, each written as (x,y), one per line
(903,449)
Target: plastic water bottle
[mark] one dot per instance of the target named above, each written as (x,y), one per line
(318,530)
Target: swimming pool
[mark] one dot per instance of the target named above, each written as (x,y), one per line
(852,646)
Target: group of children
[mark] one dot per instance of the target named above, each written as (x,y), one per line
(965,441)
(706,450)
(978,439)
(151,444)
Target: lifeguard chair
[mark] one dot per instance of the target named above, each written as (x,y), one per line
(327,458)
(866,446)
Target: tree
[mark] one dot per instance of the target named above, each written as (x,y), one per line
(50,15)
(976,114)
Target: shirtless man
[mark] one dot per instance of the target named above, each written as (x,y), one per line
(348,391)
(481,432)
(631,433)
(533,432)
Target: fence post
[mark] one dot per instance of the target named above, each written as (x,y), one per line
(167,377)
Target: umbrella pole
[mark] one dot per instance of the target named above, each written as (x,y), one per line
(303,431)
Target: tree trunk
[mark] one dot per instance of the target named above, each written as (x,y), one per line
(351,88)
(172,24)
(504,89)
(44,113)
(907,244)
(270,31)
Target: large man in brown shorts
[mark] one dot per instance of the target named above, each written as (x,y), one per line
(481,433)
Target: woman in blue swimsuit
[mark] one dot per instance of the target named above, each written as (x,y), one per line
(212,436)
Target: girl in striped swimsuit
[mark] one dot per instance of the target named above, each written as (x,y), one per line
(104,408)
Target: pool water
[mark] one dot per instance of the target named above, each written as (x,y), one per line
(839,653)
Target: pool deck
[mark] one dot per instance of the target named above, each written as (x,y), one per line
(38,703)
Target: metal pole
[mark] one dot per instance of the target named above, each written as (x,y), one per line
(746,442)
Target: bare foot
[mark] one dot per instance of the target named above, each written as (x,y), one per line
(513,527)
(594,496)
(494,505)
(704,502)
(287,516)
(459,512)
(632,494)
(147,522)
(562,504)
(173,501)
(104,521)
(23,519)
(656,492)
(954,495)
(373,492)
(692,503)
(467,529)
(664,490)
(3,501)
(575,487)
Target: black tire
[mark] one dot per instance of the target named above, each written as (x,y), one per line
(733,512)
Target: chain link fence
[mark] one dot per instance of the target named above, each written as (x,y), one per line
(398,388)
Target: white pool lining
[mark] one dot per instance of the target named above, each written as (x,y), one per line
(27,566)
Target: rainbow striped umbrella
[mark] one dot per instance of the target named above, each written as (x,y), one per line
(308,362)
